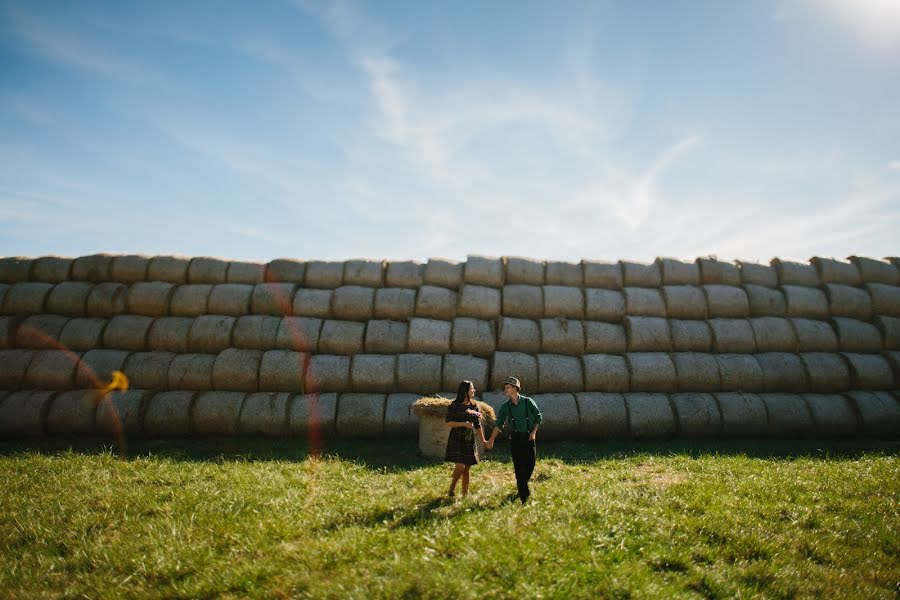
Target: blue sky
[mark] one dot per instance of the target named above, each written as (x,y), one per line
(556,130)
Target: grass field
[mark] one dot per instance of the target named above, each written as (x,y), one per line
(239,518)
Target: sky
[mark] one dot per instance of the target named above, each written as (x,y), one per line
(411,130)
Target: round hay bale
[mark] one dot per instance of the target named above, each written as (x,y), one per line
(684,302)
(327,373)
(732,335)
(150,298)
(237,370)
(13,367)
(127,332)
(360,416)
(697,415)
(524,271)
(107,300)
(473,336)
(890,331)
(601,416)
(479,302)
(433,430)
(562,336)
(372,372)
(644,302)
(832,414)
(8,328)
(564,273)
(52,370)
(458,368)
(3,289)
(558,373)
(893,359)
(599,274)
(190,300)
(885,299)
(386,337)
(561,301)
(230,299)
(169,413)
(604,305)
(743,414)
(205,269)
(675,272)
(726,301)
(40,331)
(879,412)
(560,416)
(758,275)
(210,334)
(26,298)
(651,372)
(82,334)
(876,271)
(795,274)
(514,364)
(96,368)
(740,372)
(789,417)
(345,337)
(353,303)
(857,336)
(50,269)
(399,418)
(846,301)
(827,372)
(285,270)
(604,338)
(313,415)
(406,274)
(121,413)
(650,415)
(395,303)
(298,333)
(429,336)
(24,413)
(869,371)
(129,268)
(419,373)
(815,336)
(443,273)
(774,334)
(494,400)
(519,335)
(148,370)
(216,413)
(94,268)
(782,372)
(714,271)
(696,372)
(765,301)
(14,269)
(436,303)
(279,299)
(73,412)
(690,336)
(835,271)
(265,413)
(648,334)
(641,275)
(249,273)
(525,301)
(69,298)
(259,332)
(169,334)
(324,274)
(483,270)
(172,269)
(605,373)
(191,372)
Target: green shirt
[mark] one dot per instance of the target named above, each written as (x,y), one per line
(515,413)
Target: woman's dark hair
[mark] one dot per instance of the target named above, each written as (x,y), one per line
(462,391)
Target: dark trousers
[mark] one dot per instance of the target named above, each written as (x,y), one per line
(523,457)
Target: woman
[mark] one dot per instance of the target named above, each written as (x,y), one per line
(463,419)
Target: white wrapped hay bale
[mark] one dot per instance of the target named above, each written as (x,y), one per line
(419,373)
(524,271)
(835,271)
(313,415)
(95,267)
(604,305)
(601,415)
(73,412)
(190,300)
(127,332)
(879,412)
(644,302)
(24,412)
(458,368)
(209,334)
(237,370)
(606,373)
(690,336)
(368,273)
(732,335)
(69,298)
(714,271)
(206,269)
(283,371)
(473,336)
(562,336)
(774,334)
(563,301)
(296,333)
(107,299)
(484,270)
(743,414)
(789,417)
(696,372)
(827,372)
(395,303)
(685,302)
(386,337)
(846,301)
(890,331)
(360,416)
(604,338)
(265,413)
(599,274)
(525,301)
(15,268)
(443,273)
(278,299)
(876,271)
(564,273)
(372,372)
(171,269)
(52,370)
(26,298)
(676,272)
(519,335)
(726,301)
(795,274)
(95,370)
(406,274)
(170,334)
(479,302)
(342,337)
(353,303)
(324,274)
(433,430)
(765,301)
(148,370)
(815,336)
(651,372)
(857,336)
(257,331)
(436,303)
(169,413)
(832,414)
(216,413)
(429,336)
(230,299)
(522,366)
(121,412)
(782,372)
(327,373)
(82,334)
(558,373)
(885,299)
(641,275)
(399,418)
(650,415)
(191,372)
(647,334)
(869,371)
(150,298)
(805,302)
(698,415)
(243,272)
(559,416)
(740,372)
(286,270)
(40,331)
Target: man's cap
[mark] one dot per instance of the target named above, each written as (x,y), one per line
(512,381)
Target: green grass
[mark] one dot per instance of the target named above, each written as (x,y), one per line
(239,518)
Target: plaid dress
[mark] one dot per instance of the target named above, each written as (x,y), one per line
(461,443)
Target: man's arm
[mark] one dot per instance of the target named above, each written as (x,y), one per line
(538,418)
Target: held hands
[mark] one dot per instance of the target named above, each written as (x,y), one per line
(488,444)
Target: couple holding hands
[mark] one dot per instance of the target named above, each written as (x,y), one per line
(518,415)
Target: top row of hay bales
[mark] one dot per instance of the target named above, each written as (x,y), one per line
(477,270)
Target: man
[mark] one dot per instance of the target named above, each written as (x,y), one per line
(523,418)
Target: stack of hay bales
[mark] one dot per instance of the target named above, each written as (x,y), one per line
(608,349)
